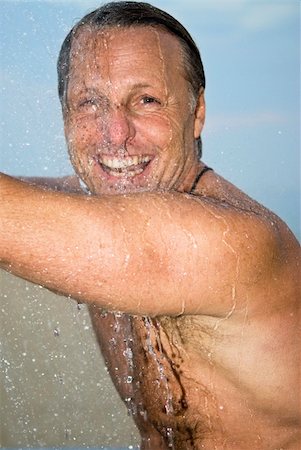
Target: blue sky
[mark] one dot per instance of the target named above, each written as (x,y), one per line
(251,53)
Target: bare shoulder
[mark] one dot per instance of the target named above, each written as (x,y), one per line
(274,247)
(226,194)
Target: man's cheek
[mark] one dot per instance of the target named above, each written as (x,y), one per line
(155,129)
(82,130)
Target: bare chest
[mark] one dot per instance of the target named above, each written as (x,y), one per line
(200,382)
(174,396)
(193,389)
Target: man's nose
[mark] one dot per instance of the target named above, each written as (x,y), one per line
(119,127)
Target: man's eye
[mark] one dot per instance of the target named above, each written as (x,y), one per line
(88,102)
(150,100)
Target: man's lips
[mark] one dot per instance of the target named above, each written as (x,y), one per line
(128,166)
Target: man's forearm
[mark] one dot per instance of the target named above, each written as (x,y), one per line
(40,231)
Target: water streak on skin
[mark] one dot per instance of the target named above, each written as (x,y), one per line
(163,73)
(195,246)
(229,246)
(168,405)
(226,231)
(128,355)
(241,337)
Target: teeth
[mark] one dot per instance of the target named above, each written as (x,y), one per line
(125,173)
(123,163)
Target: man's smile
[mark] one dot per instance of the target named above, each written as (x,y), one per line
(128,166)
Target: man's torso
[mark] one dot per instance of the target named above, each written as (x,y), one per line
(212,382)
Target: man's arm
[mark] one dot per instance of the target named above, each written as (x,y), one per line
(145,253)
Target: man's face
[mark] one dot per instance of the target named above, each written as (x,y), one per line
(131,122)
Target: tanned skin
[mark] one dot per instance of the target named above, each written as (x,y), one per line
(206,285)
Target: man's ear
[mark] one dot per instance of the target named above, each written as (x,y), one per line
(199,114)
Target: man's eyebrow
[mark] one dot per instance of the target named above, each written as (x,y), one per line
(89,90)
(140,86)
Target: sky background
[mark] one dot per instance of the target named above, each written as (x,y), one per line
(251,54)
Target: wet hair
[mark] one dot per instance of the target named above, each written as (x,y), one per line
(134,14)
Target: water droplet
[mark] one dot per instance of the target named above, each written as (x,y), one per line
(56,332)
(79,306)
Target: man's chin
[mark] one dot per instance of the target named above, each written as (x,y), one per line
(118,188)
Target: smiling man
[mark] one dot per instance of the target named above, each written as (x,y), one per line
(192,286)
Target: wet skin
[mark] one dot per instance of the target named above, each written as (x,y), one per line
(126,99)
(211,363)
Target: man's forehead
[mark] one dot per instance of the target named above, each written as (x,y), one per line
(92,40)
(132,54)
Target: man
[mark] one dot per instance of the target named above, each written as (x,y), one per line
(193,286)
